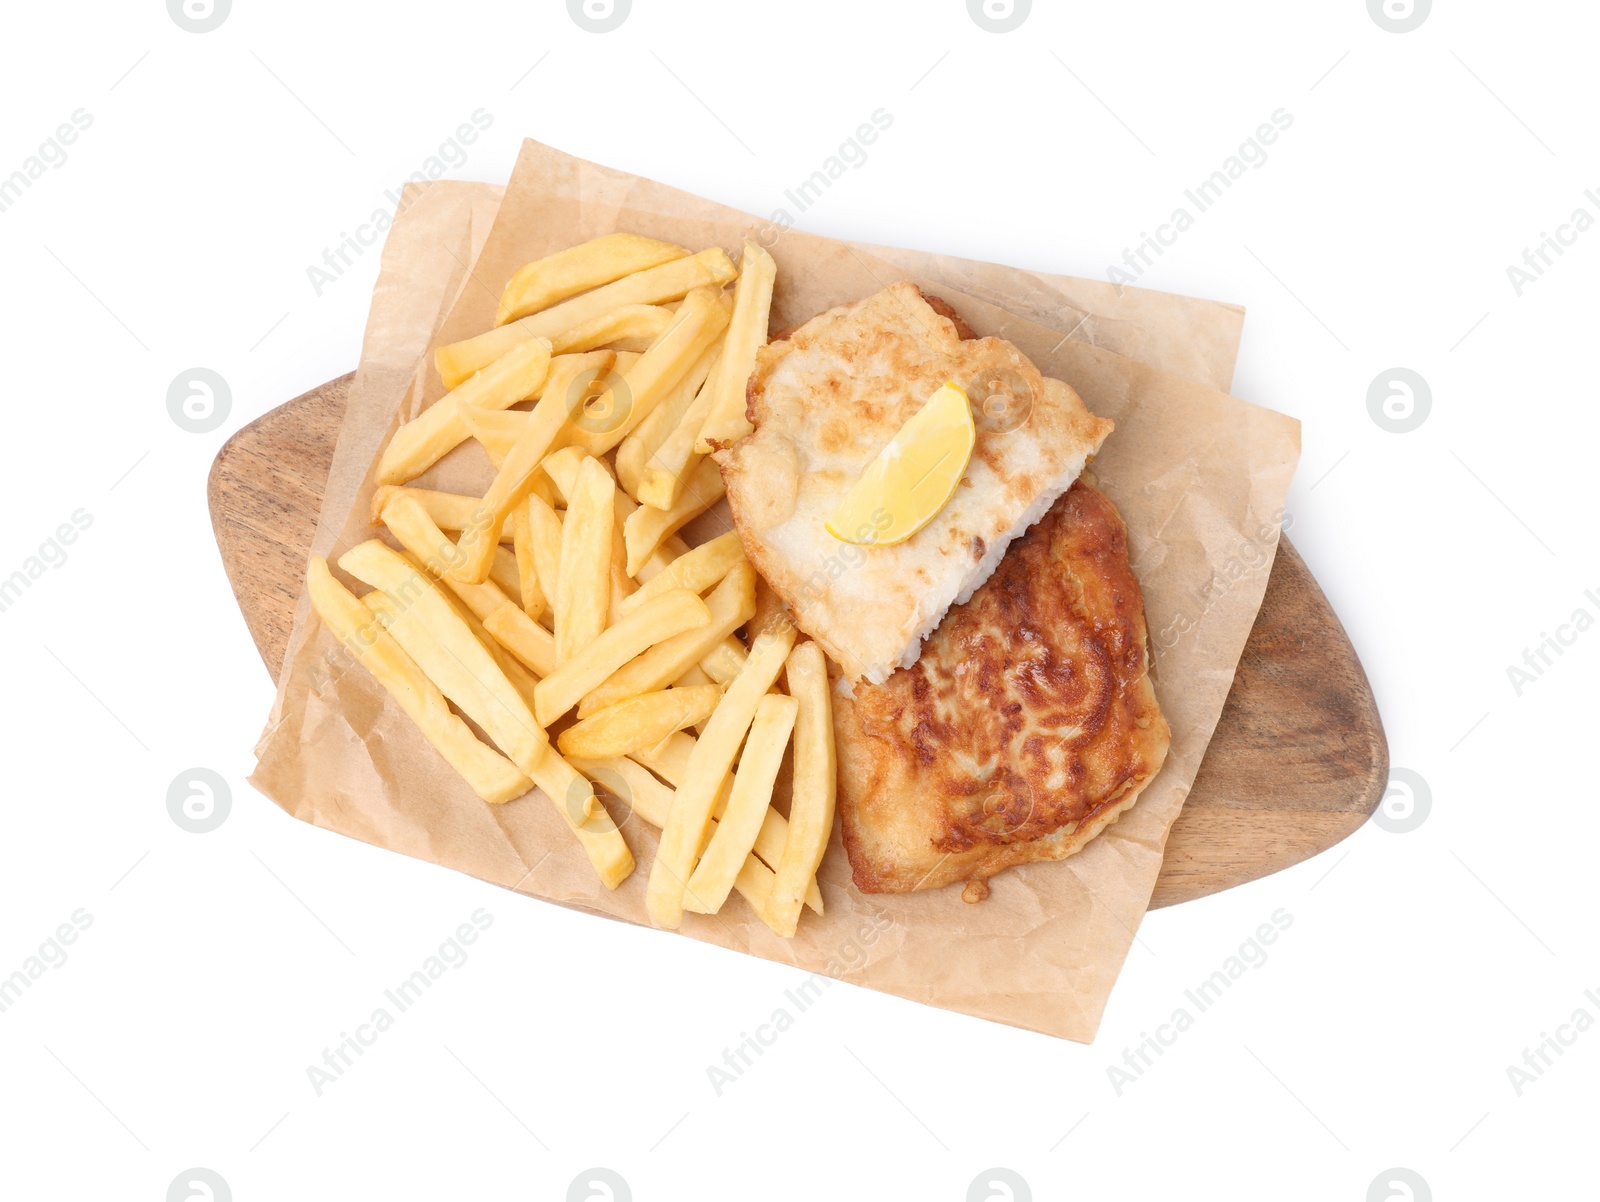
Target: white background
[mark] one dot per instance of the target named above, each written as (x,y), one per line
(218,967)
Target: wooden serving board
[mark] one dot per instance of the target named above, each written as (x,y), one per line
(1298,760)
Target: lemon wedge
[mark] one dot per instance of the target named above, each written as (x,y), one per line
(912,478)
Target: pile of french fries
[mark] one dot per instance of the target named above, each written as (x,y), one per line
(589,648)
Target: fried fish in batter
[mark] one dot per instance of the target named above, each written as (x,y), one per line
(1027,726)
(825,401)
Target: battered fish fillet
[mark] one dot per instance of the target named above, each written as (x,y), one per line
(1028,725)
(824,401)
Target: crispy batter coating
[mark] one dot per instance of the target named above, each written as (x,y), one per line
(824,401)
(1026,727)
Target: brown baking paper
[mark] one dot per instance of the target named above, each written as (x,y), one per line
(1199,477)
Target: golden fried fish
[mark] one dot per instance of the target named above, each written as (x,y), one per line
(824,401)
(1026,727)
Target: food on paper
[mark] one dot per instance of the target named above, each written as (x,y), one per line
(730,604)
(579,268)
(662,476)
(1027,725)
(668,282)
(517,376)
(652,623)
(626,324)
(583,587)
(725,421)
(646,528)
(813,794)
(492,777)
(709,765)
(434,634)
(640,722)
(558,631)
(637,453)
(690,339)
(824,402)
(696,570)
(747,804)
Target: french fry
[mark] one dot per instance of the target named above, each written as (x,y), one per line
(769,846)
(695,327)
(668,551)
(543,489)
(516,631)
(696,570)
(430,631)
(725,424)
(583,584)
(646,527)
(636,450)
(492,777)
(694,676)
(661,619)
(709,764)
(552,418)
(724,661)
(670,760)
(561,468)
(515,376)
(599,401)
(622,585)
(675,460)
(583,812)
(533,598)
(652,801)
(735,836)
(667,282)
(498,429)
(730,605)
(549,420)
(619,328)
(503,571)
(449,510)
(431,547)
(569,374)
(639,722)
(597,832)
(544,533)
(513,629)
(811,802)
(521,679)
(620,776)
(774,828)
(579,268)
(754,883)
